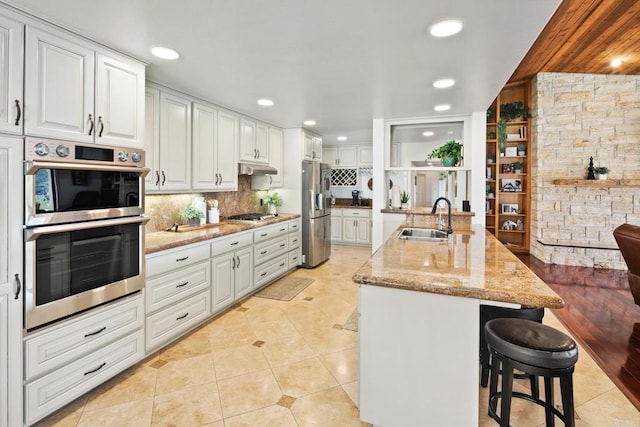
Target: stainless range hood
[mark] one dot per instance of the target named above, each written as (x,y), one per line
(254,169)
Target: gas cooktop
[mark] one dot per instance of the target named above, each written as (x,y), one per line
(250,217)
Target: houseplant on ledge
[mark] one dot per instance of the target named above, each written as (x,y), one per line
(191,215)
(404,200)
(601,172)
(518,167)
(273,200)
(502,136)
(450,153)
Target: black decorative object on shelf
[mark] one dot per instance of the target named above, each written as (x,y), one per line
(591,169)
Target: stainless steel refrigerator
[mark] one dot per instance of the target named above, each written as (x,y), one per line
(316,213)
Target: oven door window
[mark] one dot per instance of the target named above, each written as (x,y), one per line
(74,262)
(63,190)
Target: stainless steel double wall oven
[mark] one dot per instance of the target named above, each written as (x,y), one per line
(84,227)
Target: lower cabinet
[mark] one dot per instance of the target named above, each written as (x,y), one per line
(277,251)
(352,226)
(232,277)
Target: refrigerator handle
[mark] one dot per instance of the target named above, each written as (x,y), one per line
(319,198)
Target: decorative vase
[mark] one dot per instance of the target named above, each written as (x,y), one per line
(272,209)
(194,221)
(404,206)
(518,170)
(601,175)
(449,162)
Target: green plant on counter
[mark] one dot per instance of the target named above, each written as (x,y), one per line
(449,150)
(404,197)
(273,199)
(190,213)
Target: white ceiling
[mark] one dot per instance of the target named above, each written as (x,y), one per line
(339,62)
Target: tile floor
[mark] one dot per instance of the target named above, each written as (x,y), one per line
(278,363)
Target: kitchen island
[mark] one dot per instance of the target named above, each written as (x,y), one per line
(419,319)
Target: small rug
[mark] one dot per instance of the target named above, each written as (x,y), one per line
(284,289)
(352,322)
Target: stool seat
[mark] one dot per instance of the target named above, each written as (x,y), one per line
(531,343)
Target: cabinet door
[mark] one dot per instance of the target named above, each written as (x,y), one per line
(227,149)
(205,139)
(349,229)
(336,229)
(363,230)
(59,82)
(330,156)
(10,273)
(243,272)
(365,156)
(317,148)
(348,156)
(11,66)
(248,140)
(262,143)
(152,138)
(120,95)
(276,142)
(175,142)
(307,141)
(222,281)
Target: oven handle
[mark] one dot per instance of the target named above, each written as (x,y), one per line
(33,233)
(31,167)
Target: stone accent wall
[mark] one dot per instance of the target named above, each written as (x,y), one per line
(576,116)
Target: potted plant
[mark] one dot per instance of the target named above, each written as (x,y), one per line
(518,167)
(522,150)
(273,200)
(502,136)
(489,191)
(450,153)
(191,215)
(491,157)
(601,172)
(514,110)
(404,199)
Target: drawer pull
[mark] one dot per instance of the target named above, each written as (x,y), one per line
(282,229)
(182,284)
(90,334)
(282,265)
(263,274)
(283,245)
(182,259)
(183,316)
(263,235)
(295,240)
(263,252)
(97,369)
(234,243)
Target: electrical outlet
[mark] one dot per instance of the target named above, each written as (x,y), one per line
(261,202)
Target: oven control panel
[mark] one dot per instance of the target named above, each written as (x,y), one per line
(41,149)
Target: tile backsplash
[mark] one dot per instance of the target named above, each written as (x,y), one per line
(164,209)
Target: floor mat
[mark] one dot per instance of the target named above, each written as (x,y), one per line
(284,289)
(352,322)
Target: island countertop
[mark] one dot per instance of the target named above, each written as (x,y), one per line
(473,264)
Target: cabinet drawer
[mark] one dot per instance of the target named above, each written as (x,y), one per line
(356,213)
(294,225)
(270,270)
(270,232)
(167,324)
(294,240)
(229,243)
(336,211)
(294,258)
(56,347)
(175,258)
(169,288)
(267,250)
(60,387)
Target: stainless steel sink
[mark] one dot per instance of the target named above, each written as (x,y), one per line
(423,234)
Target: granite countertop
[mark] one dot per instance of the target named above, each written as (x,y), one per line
(161,240)
(474,264)
(423,210)
(336,206)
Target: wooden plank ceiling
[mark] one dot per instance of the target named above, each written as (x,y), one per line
(584,36)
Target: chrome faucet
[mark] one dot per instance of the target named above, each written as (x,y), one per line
(435,206)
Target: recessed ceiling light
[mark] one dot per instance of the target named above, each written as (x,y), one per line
(450,132)
(446,28)
(427,133)
(443,83)
(342,138)
(265,102)
(442,107)
(164,53)
(617,62)
(309,123)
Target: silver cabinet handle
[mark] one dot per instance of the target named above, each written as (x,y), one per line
(90,124)
(19,112)
(101,123)
(18,286)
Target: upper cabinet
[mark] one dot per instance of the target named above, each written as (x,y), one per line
(11,70)
(276,160)
(312,146)
(347,156)
(365,156)
(175,142)
(62,75)
(226,163)
(254,142)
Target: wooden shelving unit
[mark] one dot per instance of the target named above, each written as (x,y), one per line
(507,205)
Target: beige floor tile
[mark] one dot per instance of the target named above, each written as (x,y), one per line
(304,377)
(134,414)
(611,409)
(271,416)
(194,344)
(268,330)
(68,416)
(229,317)
(287,350)
(326,408)
(185,373)
(329,340)
(248,392)
(353,391)
(343,365)
(234,361)
(264,313)
(231,336)
(214,424)
(311,321)
(131,385)
(189,407)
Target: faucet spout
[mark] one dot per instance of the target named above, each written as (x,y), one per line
(435,206)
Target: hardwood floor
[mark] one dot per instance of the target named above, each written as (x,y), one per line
(601,314)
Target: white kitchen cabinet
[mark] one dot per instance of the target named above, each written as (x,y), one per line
(365,156)
(152,138)
(232,268)
(341,156)
(206,159)
(227,164)
(77,92)
(11,74)
(336,225)
(312,146)
(276,147)
(10,282)
(352,226)
(175,142)
(330,155)
(254,141)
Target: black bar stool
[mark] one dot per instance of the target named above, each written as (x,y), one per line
(490,312)
(535,349)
